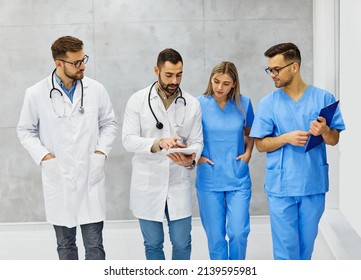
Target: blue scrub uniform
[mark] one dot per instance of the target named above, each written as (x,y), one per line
(224,189)
(295,181)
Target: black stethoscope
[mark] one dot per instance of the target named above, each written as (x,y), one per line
(159,125)
(81,108)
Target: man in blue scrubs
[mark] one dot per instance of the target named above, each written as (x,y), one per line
(296,181)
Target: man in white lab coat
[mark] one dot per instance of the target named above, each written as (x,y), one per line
(156,119)
(68,125)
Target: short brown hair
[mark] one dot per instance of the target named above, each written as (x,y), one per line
(289,51)
(170,55)
(65,44)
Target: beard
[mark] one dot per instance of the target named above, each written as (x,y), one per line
(168,88)
(280,84)
(74,76)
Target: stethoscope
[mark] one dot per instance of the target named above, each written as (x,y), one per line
(54,89)
(159,125)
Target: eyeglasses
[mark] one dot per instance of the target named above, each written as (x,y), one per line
(77,63)
(275,71)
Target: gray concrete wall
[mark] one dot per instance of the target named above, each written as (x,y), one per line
(123,39)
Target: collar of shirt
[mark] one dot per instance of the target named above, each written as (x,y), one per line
(167,100)
(68,92)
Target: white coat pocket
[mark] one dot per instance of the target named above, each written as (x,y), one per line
(96,186)
(51,177)
(96,171)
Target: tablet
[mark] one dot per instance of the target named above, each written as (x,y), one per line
(327,113)
(186,151)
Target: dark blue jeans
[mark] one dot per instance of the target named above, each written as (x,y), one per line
(92,240)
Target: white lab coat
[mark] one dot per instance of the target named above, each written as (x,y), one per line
(156,180)
(73,182)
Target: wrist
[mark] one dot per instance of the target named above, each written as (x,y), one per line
(327,131)
(48,156)
(190,167)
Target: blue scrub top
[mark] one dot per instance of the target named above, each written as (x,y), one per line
(290,171)
(223,136)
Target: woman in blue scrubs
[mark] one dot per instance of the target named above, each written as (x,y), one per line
(296,181)
(223,180)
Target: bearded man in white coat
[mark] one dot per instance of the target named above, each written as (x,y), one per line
(156,119)
(68,126)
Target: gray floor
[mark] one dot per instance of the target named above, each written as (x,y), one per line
(123,241)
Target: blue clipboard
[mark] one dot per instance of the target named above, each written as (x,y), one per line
(327,113)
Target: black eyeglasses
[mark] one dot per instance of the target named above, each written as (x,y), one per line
(275,71)
(77,63)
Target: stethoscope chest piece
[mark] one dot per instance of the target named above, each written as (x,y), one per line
(159,125)
(81,110)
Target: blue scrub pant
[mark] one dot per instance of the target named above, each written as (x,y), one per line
(294,225)
(225,214)
(179,234)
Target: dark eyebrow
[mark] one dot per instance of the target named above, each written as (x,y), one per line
(171,73)
(275,67)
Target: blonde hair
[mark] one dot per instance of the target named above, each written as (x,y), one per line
(227,67)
